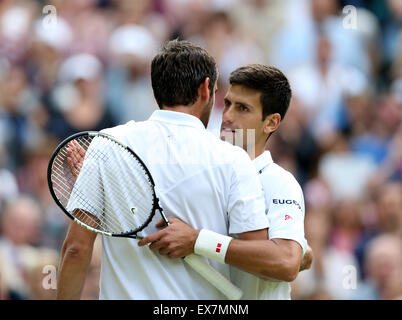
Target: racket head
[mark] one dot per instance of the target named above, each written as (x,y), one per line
(65,179)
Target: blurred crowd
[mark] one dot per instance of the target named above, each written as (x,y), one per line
(84,65)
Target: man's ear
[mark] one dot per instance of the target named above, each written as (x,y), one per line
(271,123)
(203,90)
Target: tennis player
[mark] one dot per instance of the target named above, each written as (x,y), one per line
(199,179)
(257,100)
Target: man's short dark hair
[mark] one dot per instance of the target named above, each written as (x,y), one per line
(178,70)
(271,82)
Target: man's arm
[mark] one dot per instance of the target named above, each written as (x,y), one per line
(283,256)
(75,259)
(277,258)
(77,248)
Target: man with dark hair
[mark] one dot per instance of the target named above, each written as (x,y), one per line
(199,179)
(256,102)
(271,82)
(274,94)
(178,70)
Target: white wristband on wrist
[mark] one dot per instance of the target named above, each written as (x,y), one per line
(212,245)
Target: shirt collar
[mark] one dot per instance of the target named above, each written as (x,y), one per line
(262,161)
(176,117)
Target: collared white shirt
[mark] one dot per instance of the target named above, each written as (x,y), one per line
(200,179)
(285,211)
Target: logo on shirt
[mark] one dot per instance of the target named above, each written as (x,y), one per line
(133,210)
(287,217)
(288,201)
(218,247)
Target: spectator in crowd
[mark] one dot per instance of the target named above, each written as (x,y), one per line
(42,274)
(388,219)
(258,20)
(322,86)
(32,179)
(383,268)
(392,30)
(129,94)
(20,227)
(17,104)
(78,100)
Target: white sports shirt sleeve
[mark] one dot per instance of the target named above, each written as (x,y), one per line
(286,214)
(284,201)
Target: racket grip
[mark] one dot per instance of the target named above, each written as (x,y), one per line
(214,277)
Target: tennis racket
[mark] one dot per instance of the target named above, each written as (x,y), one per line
(86,180)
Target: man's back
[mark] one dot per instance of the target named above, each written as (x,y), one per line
(199,179)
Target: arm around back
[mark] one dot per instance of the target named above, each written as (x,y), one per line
(269,259)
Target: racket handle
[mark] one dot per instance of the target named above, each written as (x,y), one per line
(214,277)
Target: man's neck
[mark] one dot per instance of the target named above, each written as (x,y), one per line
(191,110)
(257,152)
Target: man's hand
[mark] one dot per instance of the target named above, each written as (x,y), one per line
(176,240)
(307,259)
(75,159)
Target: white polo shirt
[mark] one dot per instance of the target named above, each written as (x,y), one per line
(285,211)
(200,179)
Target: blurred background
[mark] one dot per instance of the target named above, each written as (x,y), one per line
(84,65)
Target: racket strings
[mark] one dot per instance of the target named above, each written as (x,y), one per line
(102,185)
(109,220)
(140,177)
(67,189)
(64,192)
(122,218)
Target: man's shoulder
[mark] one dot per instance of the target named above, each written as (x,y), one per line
(120,128)
(274,170)
(213,138)
(280,178)
(225,150)
(124,132)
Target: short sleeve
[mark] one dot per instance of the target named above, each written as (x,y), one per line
(246,205)
(286,212)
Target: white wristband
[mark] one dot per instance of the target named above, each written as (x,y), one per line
(212,245)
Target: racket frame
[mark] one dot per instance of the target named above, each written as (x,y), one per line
(129,234)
